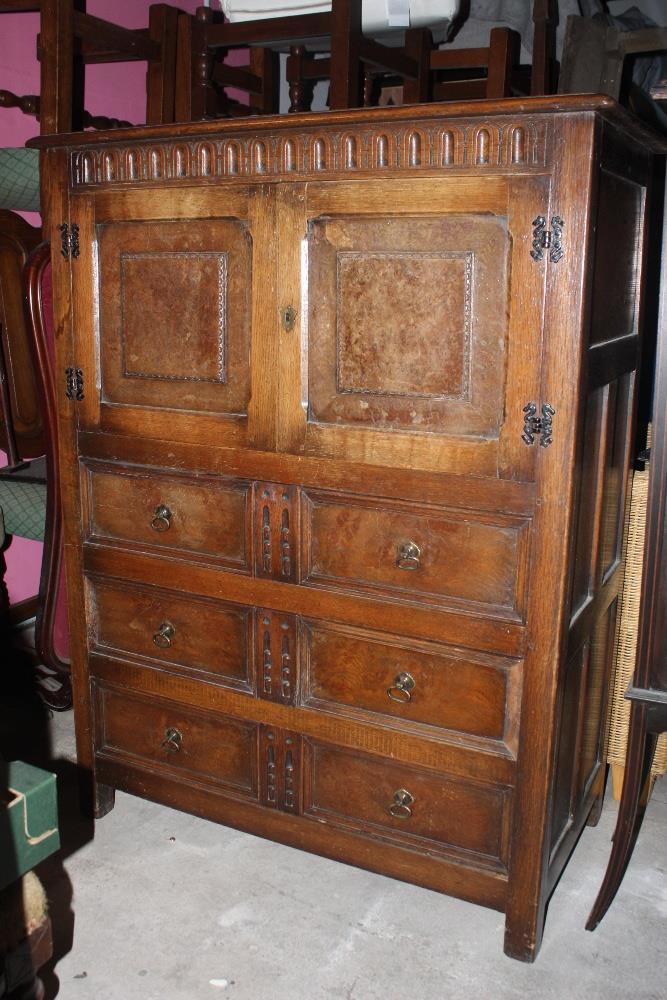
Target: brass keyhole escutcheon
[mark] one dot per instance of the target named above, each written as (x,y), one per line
(162,638)
(162,518)
(288,318)
(408,556)
(402,688)
(173,739)
(400,807)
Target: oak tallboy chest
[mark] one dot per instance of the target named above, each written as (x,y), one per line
(346,411)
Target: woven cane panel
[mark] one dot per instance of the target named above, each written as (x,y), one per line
(627,633)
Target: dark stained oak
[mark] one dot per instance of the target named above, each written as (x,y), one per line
(169,738)
(208,638)
(466,818)
(648,689)
(371,390)
(17,240)
(360,672)
(180,515)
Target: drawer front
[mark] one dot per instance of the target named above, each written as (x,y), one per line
(208,517)
(442,555)
(220,750)
(164,625)
(412,682)
(405,803)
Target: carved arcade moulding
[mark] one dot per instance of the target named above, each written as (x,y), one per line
(450,143)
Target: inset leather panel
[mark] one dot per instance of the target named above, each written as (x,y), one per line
(408,322)
(175,315)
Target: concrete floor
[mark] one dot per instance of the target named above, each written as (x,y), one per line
(153,903)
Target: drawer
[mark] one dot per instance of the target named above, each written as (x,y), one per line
(360,672)
(404,803)
(208,517)
(177,739)
(205,636)
(443,555)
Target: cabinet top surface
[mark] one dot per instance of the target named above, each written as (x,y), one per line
(422,113)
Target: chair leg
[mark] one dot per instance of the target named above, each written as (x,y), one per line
(418,45)
(346,89)
(265,64)
(300,90)
(56,53)
(641,748)
(161,74)
(543,77)
(13,457)
(504,49)
(61,698)
(194,66)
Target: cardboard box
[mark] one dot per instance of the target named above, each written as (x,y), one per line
(28,819)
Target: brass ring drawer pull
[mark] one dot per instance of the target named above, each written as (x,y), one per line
(162,518)
(408,556)
(402,688)
(173,738)
(400,807)
(163,636)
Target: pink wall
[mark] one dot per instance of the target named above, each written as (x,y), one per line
(112,89)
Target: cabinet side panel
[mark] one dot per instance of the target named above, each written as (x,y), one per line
(608,405)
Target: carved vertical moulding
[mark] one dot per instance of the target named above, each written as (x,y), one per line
(275,636)
(280,769)
(276,531)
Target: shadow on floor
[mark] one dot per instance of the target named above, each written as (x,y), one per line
(25,735)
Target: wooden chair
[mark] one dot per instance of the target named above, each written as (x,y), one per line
(595,53)
(469,74)
(30,492)
(202,75)
(407,67)
(23,435)
(69,39)
(492,72)
(203,41)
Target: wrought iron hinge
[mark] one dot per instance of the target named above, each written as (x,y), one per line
(74,384)
(534,426)
(548,239)
(69,240)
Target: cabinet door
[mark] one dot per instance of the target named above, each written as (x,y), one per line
(163,290)
(421,320)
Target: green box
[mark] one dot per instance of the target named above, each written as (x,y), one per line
(28,820)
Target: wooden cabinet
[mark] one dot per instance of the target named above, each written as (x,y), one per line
(345,468)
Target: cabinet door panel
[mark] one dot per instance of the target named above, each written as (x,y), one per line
(421,325)
(190,284)
(399,344)
(163,299)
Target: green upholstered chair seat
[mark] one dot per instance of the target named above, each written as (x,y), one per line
(23,501)
(19,179)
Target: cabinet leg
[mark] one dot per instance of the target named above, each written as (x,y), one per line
(523,935)
(598,801)
(97,799)
(596,810)
(104,800)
